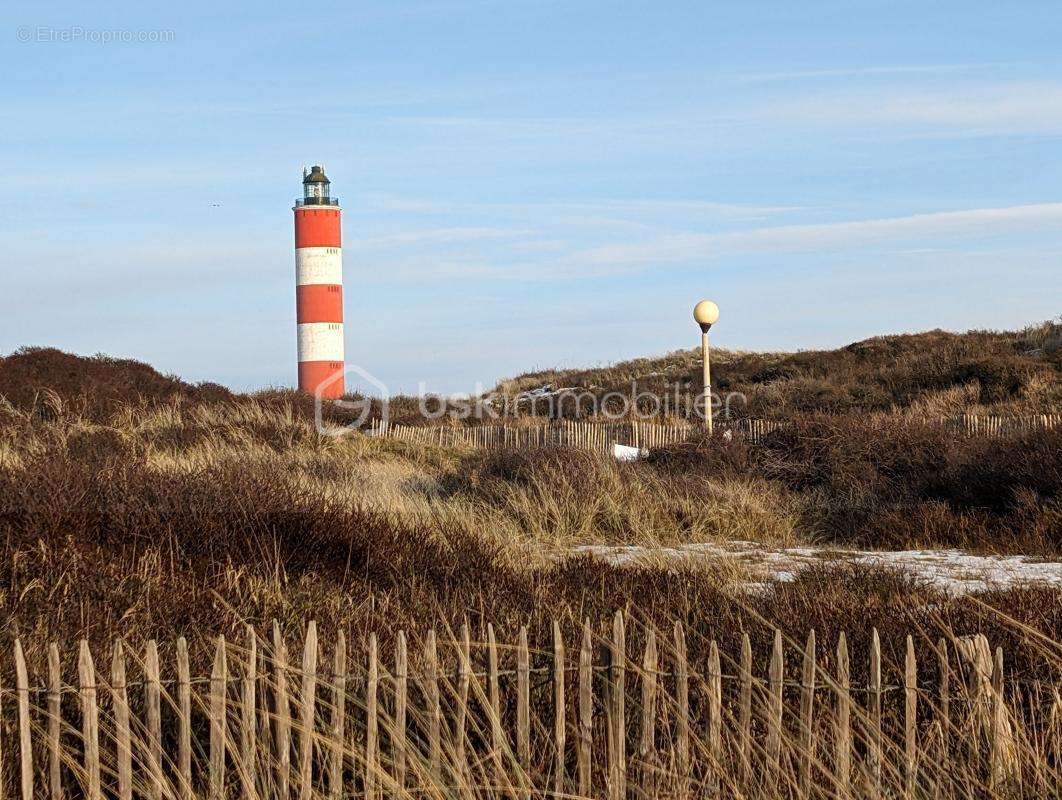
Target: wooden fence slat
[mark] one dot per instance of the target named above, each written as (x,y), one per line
(153,702)
(1054,733)
(807,711)
(944,718)
(248,703)
(970,718)
(398,737)
(464,681)
(944,675)
(523,712)
(776,674)
(308,711)
(3,743)
(122,735)
(25,736)
(910,686)
(715,718)
(282,735)
(219,676)
(372,765)
(998,724)
(184,719)
(586,709)
(647,745)
(874,754)
(937,755)
(494,698)
(90,725)
(559,706)
(682,714)
(745,712)
(55,722)
(843,742)
(266,774)
(431,693)
(982,678)
(339,717)
(617,711)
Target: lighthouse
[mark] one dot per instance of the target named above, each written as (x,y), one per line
(319,286)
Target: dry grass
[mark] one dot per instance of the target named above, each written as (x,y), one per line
(198,516)
(567,496)
(173,518)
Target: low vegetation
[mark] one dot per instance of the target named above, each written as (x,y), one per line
(135,505)
(896,483)
(166,516)
(182,520)
(932,374)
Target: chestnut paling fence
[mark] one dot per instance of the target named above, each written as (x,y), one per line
(601,436)
(592,717)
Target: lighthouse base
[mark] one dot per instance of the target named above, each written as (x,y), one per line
(326,376)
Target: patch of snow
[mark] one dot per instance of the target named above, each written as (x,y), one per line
(954,571)
(541,391)
(545,391)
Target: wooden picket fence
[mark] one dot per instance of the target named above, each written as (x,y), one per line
(999,425)
(601,436)
(449,717)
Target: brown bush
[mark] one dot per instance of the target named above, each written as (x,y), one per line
(889,481)
(98,383)
(991,472)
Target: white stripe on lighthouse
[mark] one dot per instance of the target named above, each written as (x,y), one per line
(321,341)
(318,265)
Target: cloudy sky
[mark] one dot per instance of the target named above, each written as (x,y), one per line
(525,184)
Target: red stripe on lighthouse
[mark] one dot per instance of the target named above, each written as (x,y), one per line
(319,302)
(317,227)
(313,374)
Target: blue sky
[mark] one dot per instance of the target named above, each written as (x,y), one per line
(526,184)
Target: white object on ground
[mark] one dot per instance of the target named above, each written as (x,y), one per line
(624,453)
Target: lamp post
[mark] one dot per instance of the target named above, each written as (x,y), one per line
(706,314)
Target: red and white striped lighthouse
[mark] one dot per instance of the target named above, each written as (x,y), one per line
(319,287)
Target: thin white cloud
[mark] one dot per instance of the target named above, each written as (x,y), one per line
(458,235)
(857,72)
(984,109)
(564,208)
(525,125)
(1018,106)
(828,236)
(539,246)
(965,107)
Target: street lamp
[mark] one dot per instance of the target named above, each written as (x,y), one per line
(706,313)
